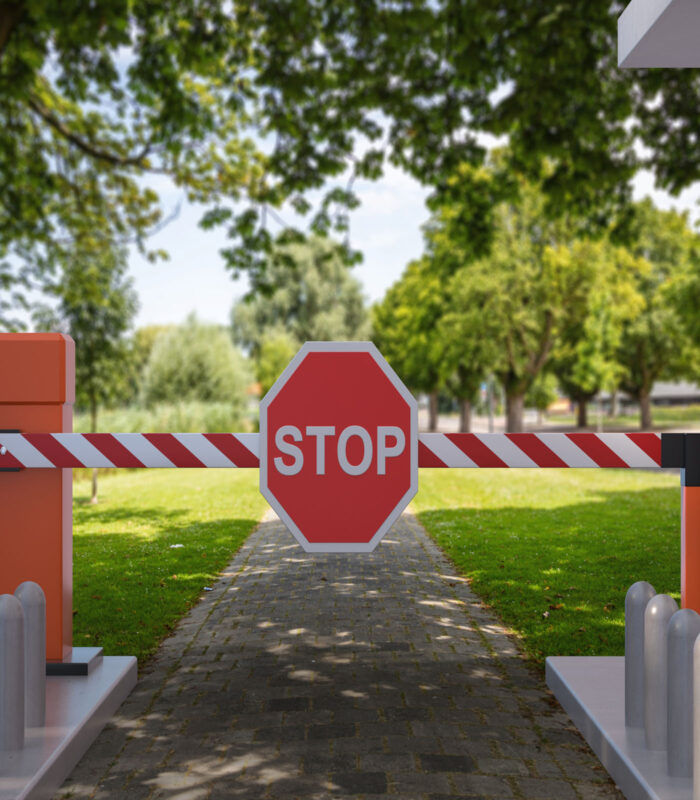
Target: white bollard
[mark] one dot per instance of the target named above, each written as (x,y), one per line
(33,601)
(636,599)
(658,612)
(696,719)
(11,674)
(683,630)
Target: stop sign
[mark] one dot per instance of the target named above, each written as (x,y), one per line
(338,447)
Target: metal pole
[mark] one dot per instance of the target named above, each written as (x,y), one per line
(489,395)
(636,600)
(33,602)
(11,674)
(656,618)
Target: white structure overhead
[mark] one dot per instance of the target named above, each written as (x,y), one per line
(659,33)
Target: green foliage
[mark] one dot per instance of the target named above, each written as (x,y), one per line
(655,343)
(585,354)
(183,417)
(554,554)
(235,101)
(509,307)
(542,392)
(140,344)
(194,361)
(95,306)
(130,585)
(277,349)
(405,329)
(308,293)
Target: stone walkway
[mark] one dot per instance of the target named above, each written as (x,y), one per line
(331,676)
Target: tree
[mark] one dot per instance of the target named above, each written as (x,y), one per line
(518,297)
(405,330)
(194,361)
(308,292)
(466,356)
(584,358)
(241,100)
(542,393)
(655,344)
(140,344)
(277,349)
(96,305)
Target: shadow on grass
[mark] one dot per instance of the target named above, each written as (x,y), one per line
(559,576)
(84,511)
(130,587)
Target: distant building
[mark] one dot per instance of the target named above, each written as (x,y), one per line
(663,394)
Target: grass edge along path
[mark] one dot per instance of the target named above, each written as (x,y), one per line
(144,554)
(554,551)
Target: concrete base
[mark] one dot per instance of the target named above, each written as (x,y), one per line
(77,708)
(592,692)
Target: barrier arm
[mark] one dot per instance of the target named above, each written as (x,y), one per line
(42,451)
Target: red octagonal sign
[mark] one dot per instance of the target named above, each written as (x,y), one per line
(338,447)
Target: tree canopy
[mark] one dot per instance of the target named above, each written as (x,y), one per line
(309,293)
(195,361)
(95,304)
(258,101)
(655,344)
(404,328)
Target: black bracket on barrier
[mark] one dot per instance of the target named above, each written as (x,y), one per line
(682,450)
(9,469)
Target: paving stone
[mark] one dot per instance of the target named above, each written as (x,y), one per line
(336,730)
(289,704)
(436,762)
(340,676)
(357,782)
(504,766)
(484,786)
(545,789)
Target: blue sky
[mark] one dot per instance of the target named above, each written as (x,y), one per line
(386,228)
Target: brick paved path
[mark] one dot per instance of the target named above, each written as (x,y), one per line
(316,676)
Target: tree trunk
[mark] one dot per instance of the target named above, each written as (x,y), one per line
(514,412)
(93,427)
(614,404)
(465,416)
(433,411)
(645,410)
(582,414)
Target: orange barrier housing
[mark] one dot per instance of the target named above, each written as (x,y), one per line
(690,547)
(37,392)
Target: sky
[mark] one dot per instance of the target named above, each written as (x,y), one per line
(386,228)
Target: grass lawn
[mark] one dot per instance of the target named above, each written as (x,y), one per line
(129,584)
(662,416)
(554,551)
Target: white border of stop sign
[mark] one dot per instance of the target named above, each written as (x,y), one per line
(411,443)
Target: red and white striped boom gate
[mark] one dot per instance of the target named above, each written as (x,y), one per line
(37,394)
(196,450)
(457,450)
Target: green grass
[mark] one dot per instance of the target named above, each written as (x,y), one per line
(129,585)
(554,551)
(662,416)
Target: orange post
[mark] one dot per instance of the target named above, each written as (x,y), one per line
(37,391)
(690,547)
(690,524)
